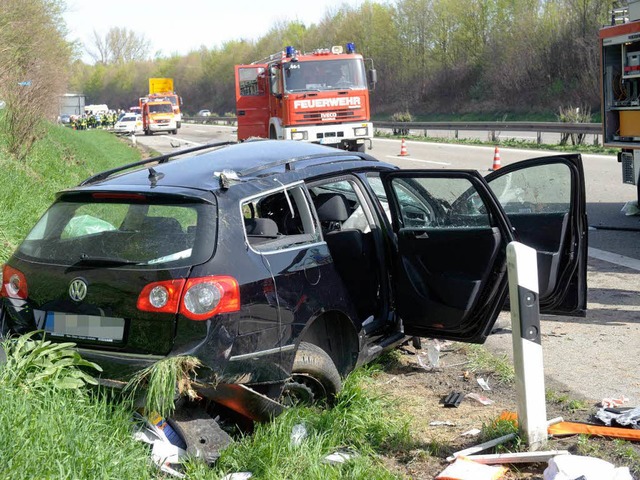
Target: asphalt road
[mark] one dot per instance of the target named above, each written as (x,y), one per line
(592,357)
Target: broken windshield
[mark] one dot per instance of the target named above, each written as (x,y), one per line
(318,75)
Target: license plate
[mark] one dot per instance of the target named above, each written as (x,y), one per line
(84,327)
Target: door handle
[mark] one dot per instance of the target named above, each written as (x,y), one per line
(240,113)
(422,235)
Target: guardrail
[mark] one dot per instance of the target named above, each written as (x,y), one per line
(492,127)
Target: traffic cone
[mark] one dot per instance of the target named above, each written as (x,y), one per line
(403,149)
(496,160)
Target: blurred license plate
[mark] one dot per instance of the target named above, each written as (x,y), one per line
(85,327)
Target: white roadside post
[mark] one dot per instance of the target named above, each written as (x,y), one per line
(527,348)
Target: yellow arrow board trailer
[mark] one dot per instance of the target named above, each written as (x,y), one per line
(158,85)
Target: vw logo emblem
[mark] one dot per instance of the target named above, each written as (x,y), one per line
(77,289)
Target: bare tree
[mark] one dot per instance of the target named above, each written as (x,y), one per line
(119,45)
(33,73)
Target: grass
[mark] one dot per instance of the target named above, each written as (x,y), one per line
(483,361)
(567,403)
(62,159)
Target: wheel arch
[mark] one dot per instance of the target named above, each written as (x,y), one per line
(335,333)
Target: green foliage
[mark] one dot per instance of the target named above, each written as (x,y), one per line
(162,380)
(32,363)
(566,402)
(360,422)
(481,360)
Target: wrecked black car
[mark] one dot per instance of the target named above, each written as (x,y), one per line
(283,265)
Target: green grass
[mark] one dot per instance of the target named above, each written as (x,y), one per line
(566,402)
(483,361)
(62,159)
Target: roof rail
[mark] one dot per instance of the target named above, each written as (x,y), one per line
(269,58)
(159,159)
(288,162)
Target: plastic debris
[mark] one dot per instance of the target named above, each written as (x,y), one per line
(479,398)
(430,359)
(441,423)
(298,434)
(481,447)
(237,476)
(483,384)
(471,433)
(614,402)
(465,469)
(570,467)
(453,400)
(341,456)
(155,431)
(631,208)
(624,417)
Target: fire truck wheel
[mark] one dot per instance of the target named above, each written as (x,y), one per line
(272,133)
(174,132)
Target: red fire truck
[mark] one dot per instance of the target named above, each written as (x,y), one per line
(620,76)
(320,97)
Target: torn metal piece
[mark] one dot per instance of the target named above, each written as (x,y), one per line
(241,399)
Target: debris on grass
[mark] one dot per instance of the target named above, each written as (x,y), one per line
(569,467)
(479,398)
(466,469)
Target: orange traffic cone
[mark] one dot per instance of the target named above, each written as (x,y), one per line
(496,160)
(403,149)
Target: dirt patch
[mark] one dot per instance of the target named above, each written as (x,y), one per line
(438,430)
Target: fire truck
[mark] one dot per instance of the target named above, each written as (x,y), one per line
(321,97)
(620,88)
(161,89)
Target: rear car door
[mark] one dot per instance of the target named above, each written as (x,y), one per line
(451,233)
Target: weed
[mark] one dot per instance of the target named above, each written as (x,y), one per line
(162,380)
(567,403)
(481,360)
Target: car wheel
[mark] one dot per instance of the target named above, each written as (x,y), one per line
(175,132)
(314,377)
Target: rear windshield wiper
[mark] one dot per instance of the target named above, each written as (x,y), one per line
(86,260)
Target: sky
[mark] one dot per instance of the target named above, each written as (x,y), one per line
(185,25)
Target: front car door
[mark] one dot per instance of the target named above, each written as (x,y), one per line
(252,101)
(451,233)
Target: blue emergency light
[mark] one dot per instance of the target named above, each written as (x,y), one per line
(351,47)
(290,51)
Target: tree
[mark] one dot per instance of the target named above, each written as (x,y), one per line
(33,68)
(118,46)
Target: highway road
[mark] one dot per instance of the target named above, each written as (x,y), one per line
(592,357)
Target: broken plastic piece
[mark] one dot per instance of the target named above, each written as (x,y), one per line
(466,469)
(341,456)
(431,359)
(471,433)
(572,428)
(298,434)
(237,476)
(631,208)
(614,402)
(518,457)
(453,399)
(438,423)
(479,398)
(483,383)
(570,467)
(481,447)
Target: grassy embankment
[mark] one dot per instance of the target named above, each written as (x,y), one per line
(48,432)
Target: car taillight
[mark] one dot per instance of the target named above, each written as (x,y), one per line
(207,296)
(195,298)
(14,283)
(161,297)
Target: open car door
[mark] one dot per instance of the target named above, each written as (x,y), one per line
(252,101)
(544,199)
(450,276)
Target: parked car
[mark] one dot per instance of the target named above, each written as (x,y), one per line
(129,123)
(65,119)
(203,113)
(284,265)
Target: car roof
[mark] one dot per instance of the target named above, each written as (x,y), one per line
(270,162)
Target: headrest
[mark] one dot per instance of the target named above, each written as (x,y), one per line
(332,207)
(261,226)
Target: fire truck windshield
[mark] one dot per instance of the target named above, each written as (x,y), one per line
(316,75)
(160,108)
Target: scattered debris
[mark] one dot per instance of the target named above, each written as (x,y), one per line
(431,359)
(623,417)
(483,384)
(481,447)
(439,423)
(570,467)
(466,469)
(341,456)
(573,428)
(237,476)
(519,457)
(453,400)
(471,433)
(479,398)
(298,434)
(155,431)
(614,402)
(631,208)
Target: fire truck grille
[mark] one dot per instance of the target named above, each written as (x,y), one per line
(324,116)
